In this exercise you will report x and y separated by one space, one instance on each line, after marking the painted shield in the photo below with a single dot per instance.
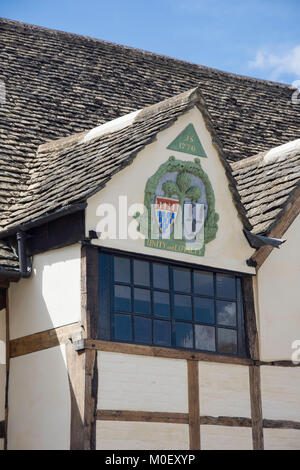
166 210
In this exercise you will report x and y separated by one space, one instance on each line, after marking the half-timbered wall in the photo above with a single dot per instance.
153 399
148 402
116 396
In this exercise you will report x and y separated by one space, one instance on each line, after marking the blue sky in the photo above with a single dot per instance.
259 38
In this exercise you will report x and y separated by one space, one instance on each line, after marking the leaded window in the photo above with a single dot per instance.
144 301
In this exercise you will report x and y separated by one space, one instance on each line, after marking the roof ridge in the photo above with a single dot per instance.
190 96
45 29
259 156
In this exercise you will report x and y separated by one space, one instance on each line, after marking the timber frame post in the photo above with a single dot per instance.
82 364
254 370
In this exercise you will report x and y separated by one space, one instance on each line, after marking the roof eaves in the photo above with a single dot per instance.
290 210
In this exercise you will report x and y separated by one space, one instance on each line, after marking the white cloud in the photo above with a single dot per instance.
278 64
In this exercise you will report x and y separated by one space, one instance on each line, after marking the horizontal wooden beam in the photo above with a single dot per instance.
161 352
144 416
226 421
154 351
277 363
43 340
183 418
280 424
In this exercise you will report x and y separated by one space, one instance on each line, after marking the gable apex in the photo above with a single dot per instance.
188 142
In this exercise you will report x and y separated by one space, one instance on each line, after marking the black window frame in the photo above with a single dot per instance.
106 310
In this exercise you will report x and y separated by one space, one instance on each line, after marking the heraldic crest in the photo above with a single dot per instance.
180 207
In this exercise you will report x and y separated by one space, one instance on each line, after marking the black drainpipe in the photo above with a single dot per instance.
24 260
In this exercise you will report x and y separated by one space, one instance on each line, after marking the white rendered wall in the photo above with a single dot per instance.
141 383
229 250
112 435
282 439
279 298
39 401
224 390
50 297
225 438
280 388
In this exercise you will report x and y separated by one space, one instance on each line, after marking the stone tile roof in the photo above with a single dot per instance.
266 182
58 84
8 258
70 170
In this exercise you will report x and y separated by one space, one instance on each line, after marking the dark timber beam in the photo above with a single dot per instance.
194 405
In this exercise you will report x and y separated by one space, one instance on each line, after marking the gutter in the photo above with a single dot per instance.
256 241
9 275
43 219
19 231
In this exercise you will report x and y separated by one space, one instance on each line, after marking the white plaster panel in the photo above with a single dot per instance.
224 390
229 250
279 298
123 435
225 438
280 387
141 383
1 444
50 297
281 439
39 401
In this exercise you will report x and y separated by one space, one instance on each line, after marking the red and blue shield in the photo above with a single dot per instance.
166 210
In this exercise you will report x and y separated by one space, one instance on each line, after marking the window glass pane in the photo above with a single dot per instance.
227 341
123 298
142 301
225 286
162 333
122 269
142 330
203 283
204 310
226 313
179 306
141 272
123 329
184 335
205 338
183 307
161 304
182 279
160 276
